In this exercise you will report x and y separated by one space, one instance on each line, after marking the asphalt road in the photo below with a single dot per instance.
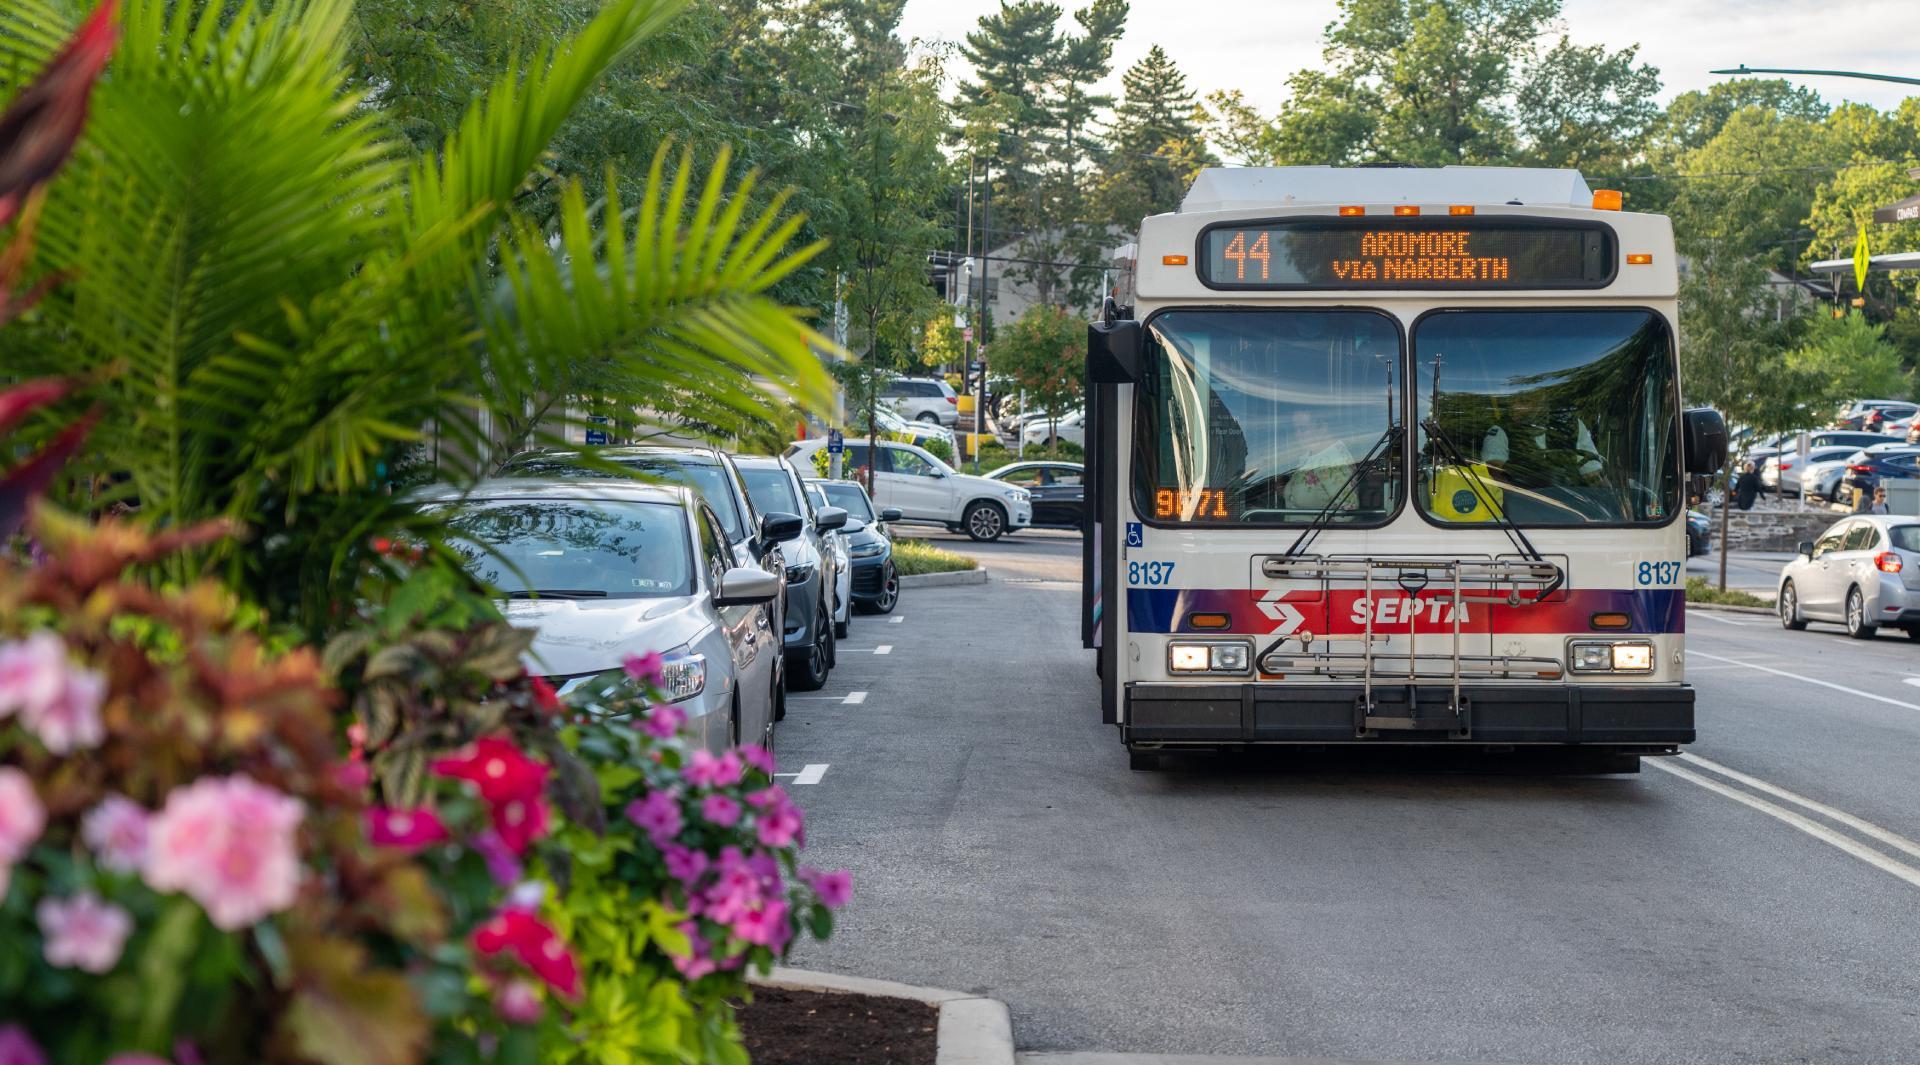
1412 909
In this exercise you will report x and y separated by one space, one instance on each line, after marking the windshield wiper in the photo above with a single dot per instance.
1352 484
556 593
1444 445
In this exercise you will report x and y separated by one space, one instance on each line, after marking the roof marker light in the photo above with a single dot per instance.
1173 260
1406 210
1607 199
1352 212
1638 259
1460 208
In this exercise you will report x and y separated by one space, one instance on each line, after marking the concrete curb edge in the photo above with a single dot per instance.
1725 608
974 1029
945 580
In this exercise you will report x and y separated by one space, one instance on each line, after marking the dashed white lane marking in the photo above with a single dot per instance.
1915 681
896 620
855 698
1805 824
883 649
808 774
1716 617
1860 825
1809 680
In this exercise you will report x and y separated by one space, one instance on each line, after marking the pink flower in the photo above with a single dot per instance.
766 926
658 814
518 1002
663 721
116 832
705 770
758 757
503 863
834 888
353 775
520 821
21 816
228 843
57 701
83 932
544 696
693 968
650 668
408 830
765 797
537 946
497 768
18 1048
684 864
779 827
720 810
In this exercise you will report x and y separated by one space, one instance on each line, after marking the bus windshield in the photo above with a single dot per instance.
1558 417
1262 417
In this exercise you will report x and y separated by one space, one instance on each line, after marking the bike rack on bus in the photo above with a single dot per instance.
1485 581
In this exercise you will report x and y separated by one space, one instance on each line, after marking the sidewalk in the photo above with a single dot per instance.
1754 572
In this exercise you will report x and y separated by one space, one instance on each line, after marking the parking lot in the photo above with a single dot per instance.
1363 904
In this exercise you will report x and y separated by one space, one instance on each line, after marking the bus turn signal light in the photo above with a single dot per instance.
1609 621
1607 199
1639 260
1407 210
1887 562
1173 260
1209 621
1352 212
1460 208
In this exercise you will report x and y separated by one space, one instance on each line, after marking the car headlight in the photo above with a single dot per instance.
869 550
1610 656
800 574
1212 656
683 675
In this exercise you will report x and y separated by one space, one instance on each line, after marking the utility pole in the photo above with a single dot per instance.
986 272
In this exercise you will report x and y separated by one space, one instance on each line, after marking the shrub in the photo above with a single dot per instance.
912 557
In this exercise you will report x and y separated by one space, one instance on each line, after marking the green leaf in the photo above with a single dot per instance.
163 967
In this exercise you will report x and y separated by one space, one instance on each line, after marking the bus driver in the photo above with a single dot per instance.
1323 467
1556 447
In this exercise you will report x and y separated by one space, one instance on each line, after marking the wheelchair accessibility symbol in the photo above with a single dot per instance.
1136 534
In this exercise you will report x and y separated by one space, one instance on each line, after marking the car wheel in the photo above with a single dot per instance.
889 596
985 521
927 416
814 665
840 629
1858 626
1790 608
1913 631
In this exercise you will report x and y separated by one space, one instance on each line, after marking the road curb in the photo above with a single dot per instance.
1727 608
945 580
974 1029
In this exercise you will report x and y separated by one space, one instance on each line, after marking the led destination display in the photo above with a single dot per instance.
1407 253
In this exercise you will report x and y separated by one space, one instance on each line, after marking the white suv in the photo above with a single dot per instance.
927 491
923 399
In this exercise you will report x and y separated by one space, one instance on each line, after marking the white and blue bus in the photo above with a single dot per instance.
1393 456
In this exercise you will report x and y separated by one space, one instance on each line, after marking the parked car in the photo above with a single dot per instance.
927 491
923 399
1873 414
894 426
1058 489
1783 471
602 570
774 486
1868 468
1699 533
876 582
1863 572
1042 431
1790 442
843 568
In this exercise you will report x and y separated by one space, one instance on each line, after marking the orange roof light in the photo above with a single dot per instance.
1460 208
1173 260
1352 212
1639 259
1607 199
1406 210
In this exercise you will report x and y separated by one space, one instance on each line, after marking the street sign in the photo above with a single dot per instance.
1861 260
1907 210
836 442
596 437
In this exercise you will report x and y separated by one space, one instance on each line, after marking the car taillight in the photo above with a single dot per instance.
1887 562
1861 469
955 400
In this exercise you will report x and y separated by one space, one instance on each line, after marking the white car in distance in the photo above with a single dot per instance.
927 491
923 399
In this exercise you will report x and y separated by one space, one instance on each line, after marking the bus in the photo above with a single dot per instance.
1391 455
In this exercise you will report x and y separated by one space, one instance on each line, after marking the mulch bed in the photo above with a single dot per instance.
831 1028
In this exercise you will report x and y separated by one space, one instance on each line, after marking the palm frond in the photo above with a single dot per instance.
31 32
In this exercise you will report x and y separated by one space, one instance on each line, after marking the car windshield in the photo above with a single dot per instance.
850 498
577 548
704 476
1560 417
771 490
1262 417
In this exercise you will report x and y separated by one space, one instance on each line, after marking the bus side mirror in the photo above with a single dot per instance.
1706 440
1113 352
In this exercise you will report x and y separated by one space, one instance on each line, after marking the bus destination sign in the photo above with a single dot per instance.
1323 253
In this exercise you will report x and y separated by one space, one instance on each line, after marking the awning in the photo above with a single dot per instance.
1907 210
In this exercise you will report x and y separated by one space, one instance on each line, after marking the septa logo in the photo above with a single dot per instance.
1399 611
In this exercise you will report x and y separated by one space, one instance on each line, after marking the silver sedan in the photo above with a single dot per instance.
1863 572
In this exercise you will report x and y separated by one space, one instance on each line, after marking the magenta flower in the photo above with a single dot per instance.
658 814
518 1002
82 932
503 863
684 864
649 668
57 701
18 1048
116 832
834 889
21 816
693 968
705 770
663 721
229 844
720 810
408 830
779 827
758 757
766 926
765 797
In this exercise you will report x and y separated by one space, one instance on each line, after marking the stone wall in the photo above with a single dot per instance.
1771 530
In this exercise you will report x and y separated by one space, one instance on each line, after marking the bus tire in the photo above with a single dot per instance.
1142 761
1858 626
985 522
1790 608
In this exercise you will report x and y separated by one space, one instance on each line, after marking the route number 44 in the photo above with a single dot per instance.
1657 574
1149 573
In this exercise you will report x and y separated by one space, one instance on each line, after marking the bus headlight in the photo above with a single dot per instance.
1610 656
1209 657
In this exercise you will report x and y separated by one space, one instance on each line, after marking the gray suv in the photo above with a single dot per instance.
812 570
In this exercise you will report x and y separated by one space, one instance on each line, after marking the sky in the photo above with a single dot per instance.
1253 45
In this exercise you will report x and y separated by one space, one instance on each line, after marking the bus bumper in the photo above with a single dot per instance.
1648 718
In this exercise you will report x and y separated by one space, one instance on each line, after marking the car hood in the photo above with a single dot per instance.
969 484
575 636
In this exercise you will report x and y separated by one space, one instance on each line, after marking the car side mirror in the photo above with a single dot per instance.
778 528
1805 549
892 514
1706 441
1113 352
743 586
827 519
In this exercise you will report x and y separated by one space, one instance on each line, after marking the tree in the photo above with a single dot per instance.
1045 354
1587 108
941 343
1850 356
1158 144
1239 130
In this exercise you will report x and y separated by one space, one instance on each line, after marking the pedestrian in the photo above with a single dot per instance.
1747 487
1879 504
